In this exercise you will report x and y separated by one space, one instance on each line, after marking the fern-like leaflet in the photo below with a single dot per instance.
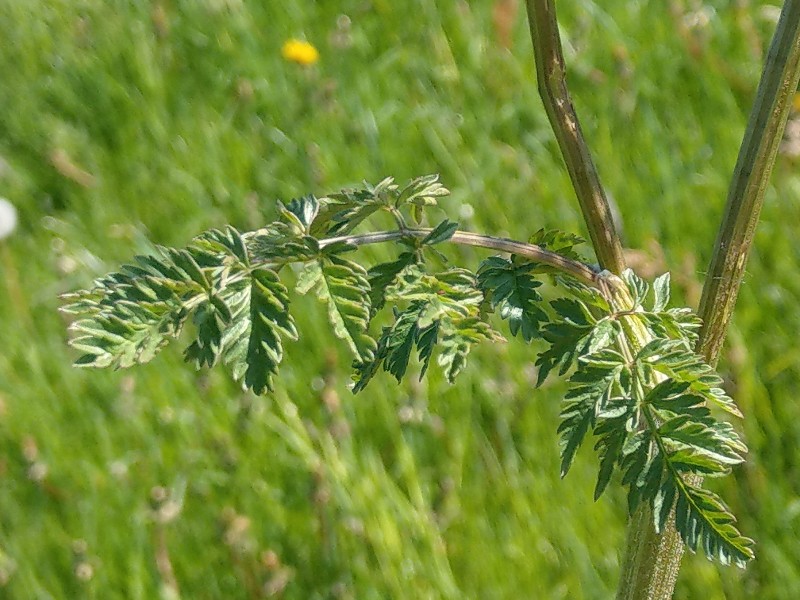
635 383
650 416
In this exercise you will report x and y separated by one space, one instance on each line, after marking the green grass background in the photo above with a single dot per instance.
129 123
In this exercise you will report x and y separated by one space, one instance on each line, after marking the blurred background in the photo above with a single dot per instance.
127 124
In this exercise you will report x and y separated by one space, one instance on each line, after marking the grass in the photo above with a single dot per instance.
125 124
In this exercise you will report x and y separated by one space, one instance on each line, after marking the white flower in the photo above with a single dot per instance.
8 218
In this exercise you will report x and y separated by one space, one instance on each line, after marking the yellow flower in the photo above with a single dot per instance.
300 52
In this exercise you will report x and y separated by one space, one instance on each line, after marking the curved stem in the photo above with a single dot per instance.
551 74
583 272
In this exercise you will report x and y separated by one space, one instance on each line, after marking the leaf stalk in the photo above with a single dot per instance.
585 273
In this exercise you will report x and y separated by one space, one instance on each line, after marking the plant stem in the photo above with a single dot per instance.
551 75
583 272
652 563
753 169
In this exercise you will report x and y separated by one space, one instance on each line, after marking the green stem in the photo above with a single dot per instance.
751 176
551 75
652 561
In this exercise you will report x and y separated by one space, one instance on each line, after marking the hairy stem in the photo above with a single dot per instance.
652 563
551 74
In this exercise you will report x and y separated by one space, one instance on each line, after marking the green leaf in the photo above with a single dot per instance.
512 291
394 348
636 454
266 320
675 323
577 417
353 206
661 293
422 191
663 502
337 248
560 242
128 316
188 267
637 286
690 460
700 439
451 293
604 334
344 287
683 437
566 337
593 385
675 360
672 323
404 334
611 434
443 311
364 371
131 335
300 213
383 275
426 342
215 245
652 476
209 322
238 311
670 398
458 337
281 243
441 233
251 343
589 296
703 521
350 207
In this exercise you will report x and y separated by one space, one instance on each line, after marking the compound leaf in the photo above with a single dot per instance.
513 292
128 316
